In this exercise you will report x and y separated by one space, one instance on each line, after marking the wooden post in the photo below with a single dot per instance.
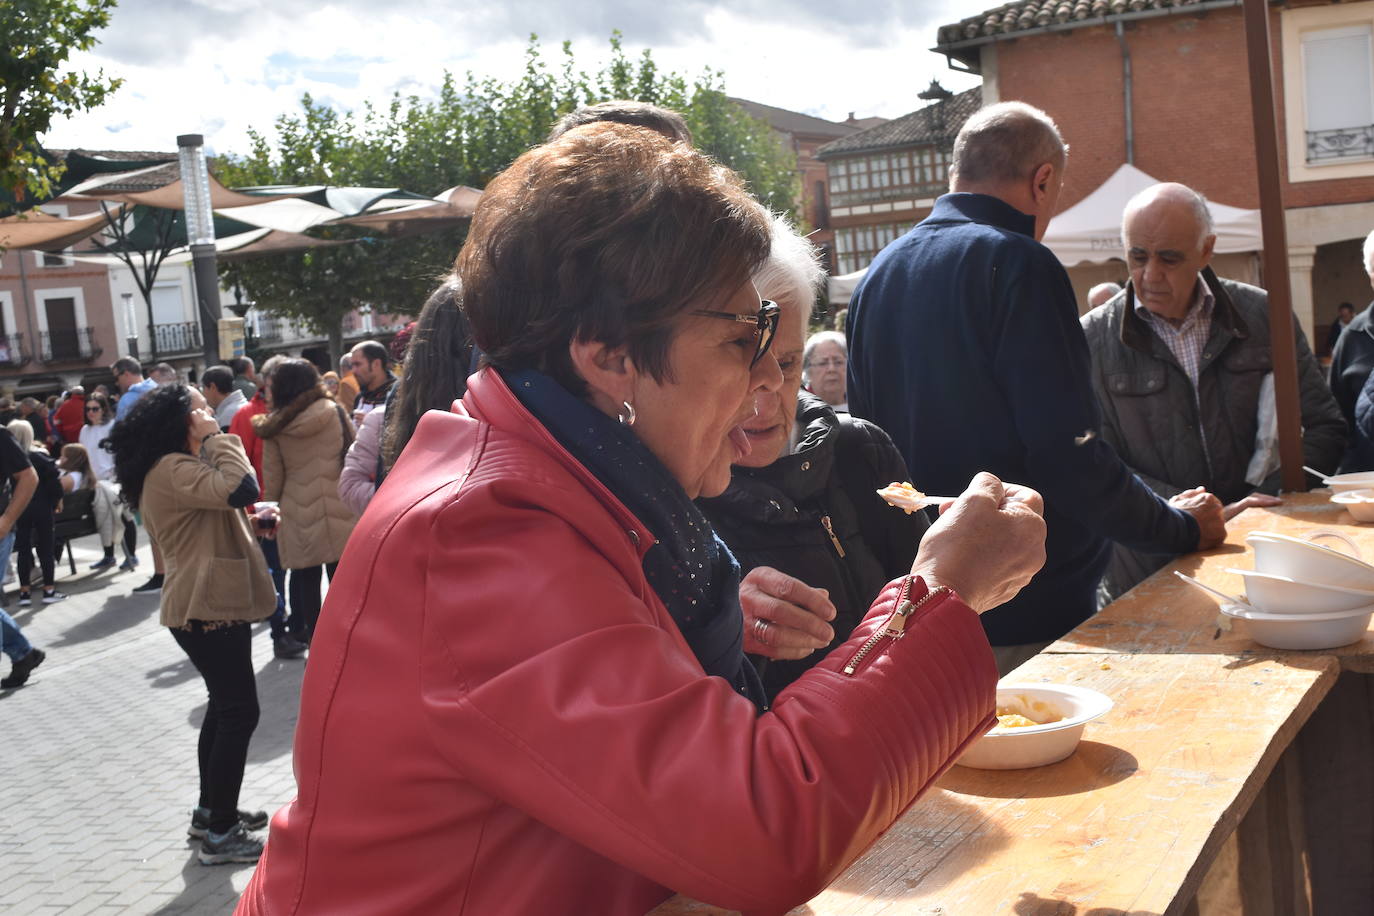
1276 280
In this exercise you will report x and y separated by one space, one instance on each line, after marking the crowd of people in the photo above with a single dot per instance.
611 593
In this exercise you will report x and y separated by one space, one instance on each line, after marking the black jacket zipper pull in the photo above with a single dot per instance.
825 523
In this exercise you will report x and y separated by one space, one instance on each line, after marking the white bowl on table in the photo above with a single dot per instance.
1359 503
1274 594
1301 559
1036 745
1303 631
1343 483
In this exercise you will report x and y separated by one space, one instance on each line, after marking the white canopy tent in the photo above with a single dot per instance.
1090 230
842 287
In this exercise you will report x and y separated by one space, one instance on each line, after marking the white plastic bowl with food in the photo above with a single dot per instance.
1057 713
1306 561
1359 503
1303 631
1274 594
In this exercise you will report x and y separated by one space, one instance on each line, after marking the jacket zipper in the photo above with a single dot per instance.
895 628
829 529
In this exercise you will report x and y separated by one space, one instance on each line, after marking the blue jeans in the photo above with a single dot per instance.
278 619
12 641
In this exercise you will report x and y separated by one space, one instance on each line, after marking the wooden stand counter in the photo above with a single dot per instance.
1166 615
1128 824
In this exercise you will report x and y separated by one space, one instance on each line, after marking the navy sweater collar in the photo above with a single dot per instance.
982 208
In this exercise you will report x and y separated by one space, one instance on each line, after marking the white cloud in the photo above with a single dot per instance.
218 67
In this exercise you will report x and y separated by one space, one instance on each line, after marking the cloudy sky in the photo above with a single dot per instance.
217 67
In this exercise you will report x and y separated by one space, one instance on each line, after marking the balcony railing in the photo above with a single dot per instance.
12 351
67 345
177 337
269 329
1340 143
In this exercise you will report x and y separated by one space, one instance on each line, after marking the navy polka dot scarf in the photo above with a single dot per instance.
688 566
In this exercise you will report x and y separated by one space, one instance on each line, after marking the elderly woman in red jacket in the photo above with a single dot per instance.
527 693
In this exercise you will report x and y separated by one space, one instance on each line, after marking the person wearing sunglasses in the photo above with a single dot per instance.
802 514
112 518
527 691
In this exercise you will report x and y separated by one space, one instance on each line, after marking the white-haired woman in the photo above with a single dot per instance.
825 364
801 514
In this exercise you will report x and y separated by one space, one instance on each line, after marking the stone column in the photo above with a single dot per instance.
1300 260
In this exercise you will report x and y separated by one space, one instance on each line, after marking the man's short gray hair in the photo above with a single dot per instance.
1006 142
793 268
1102 292
1369 254
1202 213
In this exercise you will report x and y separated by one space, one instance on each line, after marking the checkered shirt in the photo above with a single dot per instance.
1187 340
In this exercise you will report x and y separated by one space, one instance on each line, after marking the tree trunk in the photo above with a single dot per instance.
336 350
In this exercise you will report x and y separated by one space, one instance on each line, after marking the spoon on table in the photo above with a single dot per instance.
1223 621
1317 474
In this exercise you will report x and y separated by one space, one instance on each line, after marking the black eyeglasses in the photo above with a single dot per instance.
766 322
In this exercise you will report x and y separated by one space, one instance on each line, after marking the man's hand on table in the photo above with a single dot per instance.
1254 500
1209 513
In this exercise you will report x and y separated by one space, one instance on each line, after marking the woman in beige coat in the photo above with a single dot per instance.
192 483
305 437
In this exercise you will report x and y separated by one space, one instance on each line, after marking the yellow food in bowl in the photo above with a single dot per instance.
1023 711
1013 720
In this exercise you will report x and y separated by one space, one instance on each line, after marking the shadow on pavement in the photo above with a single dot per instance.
120 612
172 674
207 888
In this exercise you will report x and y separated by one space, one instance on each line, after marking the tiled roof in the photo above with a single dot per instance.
794 122
934 123
1036 15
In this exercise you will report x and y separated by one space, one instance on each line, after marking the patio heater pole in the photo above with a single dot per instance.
200 232
131 324
1276 279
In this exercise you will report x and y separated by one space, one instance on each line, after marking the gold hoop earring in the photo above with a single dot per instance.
628 417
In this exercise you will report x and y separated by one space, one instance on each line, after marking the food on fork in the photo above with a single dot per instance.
904 496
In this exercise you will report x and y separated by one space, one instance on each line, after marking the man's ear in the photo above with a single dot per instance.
1042 179
608 371
1208 249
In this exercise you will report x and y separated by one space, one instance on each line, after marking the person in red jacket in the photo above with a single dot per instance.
527 691
70 415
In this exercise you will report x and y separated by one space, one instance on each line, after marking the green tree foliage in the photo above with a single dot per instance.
464 136
36 37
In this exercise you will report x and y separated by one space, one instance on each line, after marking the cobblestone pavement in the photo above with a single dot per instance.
98 758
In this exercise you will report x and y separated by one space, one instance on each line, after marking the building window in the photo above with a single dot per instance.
857 246
1338 71
913 173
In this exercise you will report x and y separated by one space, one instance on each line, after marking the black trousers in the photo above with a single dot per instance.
35 530
224 657
304 588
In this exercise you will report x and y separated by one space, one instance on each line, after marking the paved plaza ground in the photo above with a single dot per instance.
98 759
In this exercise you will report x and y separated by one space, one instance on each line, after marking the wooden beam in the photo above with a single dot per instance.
1276 279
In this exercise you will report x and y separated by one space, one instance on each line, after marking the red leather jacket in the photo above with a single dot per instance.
500 717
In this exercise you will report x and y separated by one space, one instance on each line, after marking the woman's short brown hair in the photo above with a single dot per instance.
606 234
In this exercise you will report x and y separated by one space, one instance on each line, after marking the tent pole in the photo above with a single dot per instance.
1276 280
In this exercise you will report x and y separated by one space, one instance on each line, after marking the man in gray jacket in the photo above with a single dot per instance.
1179 359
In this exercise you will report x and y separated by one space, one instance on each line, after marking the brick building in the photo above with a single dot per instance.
885 179
804 134
1164 84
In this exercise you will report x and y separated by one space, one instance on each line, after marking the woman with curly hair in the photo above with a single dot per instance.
305 437
191 483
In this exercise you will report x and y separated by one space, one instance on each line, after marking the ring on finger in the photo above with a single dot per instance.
761 630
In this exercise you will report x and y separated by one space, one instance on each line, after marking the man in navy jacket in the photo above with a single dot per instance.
964 344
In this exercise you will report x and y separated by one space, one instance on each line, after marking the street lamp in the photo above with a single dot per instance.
200 232
130 324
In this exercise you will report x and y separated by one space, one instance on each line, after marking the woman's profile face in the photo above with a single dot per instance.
827 370
771 430
693 420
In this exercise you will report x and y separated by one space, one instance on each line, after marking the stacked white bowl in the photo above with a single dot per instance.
1302 595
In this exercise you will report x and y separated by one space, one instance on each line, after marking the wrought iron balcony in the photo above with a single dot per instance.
12 354
67 345
269 329
1340 143
177 337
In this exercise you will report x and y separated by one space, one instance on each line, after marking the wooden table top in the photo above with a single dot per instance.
1165 615
1128 823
